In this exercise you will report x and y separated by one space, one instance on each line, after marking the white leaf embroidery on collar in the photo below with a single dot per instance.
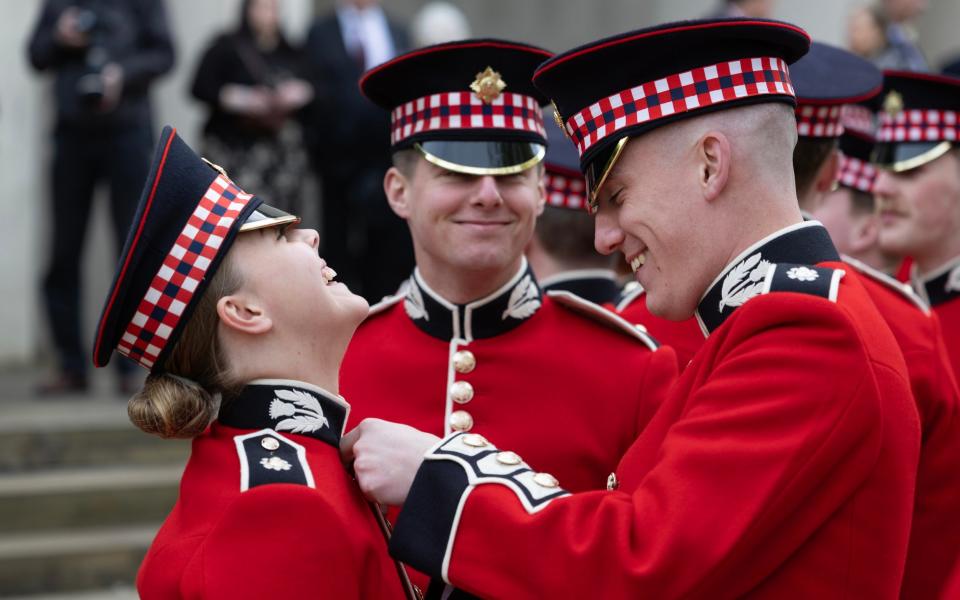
743 282
524 300
303 411
413 303
953 281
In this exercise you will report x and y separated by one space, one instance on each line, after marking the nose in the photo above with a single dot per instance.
308 236
488 193
607 233
884 186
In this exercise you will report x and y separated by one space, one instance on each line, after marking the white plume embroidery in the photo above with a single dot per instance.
743 281
953 281
803 274
304 412
275 463
413 303
524 300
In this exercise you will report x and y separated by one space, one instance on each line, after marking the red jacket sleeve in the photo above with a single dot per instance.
761 453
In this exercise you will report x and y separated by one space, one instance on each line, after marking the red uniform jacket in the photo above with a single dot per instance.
935 534
781 466
519 367
941 289
685 337
265 514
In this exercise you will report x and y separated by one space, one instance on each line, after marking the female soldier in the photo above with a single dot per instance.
220 298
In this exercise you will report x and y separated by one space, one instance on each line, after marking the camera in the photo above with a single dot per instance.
90 87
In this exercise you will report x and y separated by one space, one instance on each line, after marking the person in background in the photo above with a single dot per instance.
105 55
903 51
756 9
828 80
561 251
867 31
350 148
224 301
438 22
255 84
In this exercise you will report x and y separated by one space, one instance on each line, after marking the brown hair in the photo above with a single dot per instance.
808 156
182 405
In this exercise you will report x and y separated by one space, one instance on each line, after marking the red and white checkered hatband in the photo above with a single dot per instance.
856 173
185 266
464 110
565 191
819 121
859 119
690 90
919 125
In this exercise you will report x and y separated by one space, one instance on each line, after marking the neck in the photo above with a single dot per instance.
266 41
880 261
461 286
306 358
543 265
754 225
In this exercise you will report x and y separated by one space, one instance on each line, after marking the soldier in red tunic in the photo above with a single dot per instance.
782 465
918 189
218 295
829 82
474 343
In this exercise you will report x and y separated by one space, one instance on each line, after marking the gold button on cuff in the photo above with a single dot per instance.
612 482
460 420
475 440
464 361
545 480
508 458
461 392
270 443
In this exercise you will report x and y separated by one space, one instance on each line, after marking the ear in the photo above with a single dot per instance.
827 175
864 233
241 313
397 189
714 156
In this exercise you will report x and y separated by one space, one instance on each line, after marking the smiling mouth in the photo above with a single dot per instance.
328 275
638 261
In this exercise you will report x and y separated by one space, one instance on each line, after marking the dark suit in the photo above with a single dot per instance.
349 141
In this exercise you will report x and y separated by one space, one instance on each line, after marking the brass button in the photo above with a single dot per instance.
464 361
460 420
461 392
508 458
612 482
269 443
546 480
475 440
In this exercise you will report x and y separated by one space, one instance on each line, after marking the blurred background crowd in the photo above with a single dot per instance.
267 89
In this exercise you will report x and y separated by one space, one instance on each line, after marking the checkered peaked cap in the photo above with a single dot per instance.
627 85
825 80
919 119
468 105
188 217
566 187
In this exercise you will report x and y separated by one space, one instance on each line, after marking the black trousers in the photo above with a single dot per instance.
81 160
361 237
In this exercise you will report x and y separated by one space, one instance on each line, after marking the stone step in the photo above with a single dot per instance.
46 500
72 561
118 592
44 435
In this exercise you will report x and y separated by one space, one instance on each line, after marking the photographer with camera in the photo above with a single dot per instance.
105 54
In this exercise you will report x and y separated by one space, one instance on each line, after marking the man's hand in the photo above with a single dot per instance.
385 458
67 32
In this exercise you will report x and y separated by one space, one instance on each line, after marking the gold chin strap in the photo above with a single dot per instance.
920 160
457 168
614 157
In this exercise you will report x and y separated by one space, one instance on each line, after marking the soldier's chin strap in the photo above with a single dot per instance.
410 591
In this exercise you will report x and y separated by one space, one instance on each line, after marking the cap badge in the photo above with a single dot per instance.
488 85
559 120
216 167
893 103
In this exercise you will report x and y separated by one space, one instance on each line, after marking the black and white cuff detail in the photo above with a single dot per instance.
451 470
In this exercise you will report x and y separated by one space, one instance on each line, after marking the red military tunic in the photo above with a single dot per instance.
685 337
519 366
941 289
264 514
599 286
781 466
935 533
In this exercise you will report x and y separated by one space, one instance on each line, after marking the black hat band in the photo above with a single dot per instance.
454 111
691 90
175 284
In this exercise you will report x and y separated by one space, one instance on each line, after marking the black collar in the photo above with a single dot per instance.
493 315
596 285
940 285
806 243
287 406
